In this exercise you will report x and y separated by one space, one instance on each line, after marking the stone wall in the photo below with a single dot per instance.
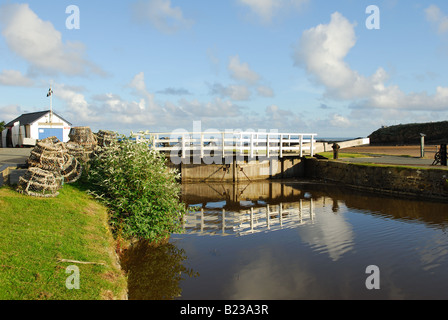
234 170
414 182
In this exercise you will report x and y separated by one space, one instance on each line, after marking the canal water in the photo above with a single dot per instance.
296 240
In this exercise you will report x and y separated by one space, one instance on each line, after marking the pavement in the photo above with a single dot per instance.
14 155
393 160
394 155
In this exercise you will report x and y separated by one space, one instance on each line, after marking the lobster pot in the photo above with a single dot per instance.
72 170
84 137
48 155
105 138
38 182
78 152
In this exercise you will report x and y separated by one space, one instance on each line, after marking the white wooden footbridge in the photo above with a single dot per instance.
229 143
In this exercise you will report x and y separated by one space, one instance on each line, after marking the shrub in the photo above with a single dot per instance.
142 193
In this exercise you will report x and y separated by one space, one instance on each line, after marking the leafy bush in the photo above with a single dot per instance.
141 191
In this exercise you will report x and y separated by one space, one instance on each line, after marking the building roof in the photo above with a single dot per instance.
29 118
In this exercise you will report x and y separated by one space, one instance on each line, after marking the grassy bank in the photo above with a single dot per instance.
329 155
36 234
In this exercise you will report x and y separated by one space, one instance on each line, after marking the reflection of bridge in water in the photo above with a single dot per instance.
210 221
242 209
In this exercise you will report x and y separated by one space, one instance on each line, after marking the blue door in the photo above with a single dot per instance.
51 132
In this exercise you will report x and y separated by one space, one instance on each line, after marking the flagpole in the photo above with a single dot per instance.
51 106
50 94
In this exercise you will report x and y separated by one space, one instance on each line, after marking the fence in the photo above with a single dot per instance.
252 144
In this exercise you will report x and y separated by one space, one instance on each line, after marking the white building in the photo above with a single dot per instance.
28 128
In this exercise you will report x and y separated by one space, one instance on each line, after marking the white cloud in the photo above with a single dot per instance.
265 91
117 111
284 120
339 121
104 111
263 8
10 112
234 92
40 44
139 85
266 9
242 71
161 15
14 78
322 51
217 108
275 113
76 104
437 17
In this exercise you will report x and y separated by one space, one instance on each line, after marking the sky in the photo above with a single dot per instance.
334 68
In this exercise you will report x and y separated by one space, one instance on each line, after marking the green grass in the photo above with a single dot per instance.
370 164
329 155
35 234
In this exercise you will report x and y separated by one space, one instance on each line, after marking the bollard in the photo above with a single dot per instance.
443 155
422 145
336 148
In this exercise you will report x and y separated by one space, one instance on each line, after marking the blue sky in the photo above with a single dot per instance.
307 66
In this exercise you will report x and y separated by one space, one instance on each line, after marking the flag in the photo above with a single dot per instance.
50 92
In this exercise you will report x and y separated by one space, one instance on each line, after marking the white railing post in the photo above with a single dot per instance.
281 146
241 144
251 145
223 145
301 145
312 146
183 147
154 141
202 145
267 145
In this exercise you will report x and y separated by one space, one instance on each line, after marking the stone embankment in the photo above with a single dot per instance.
422 183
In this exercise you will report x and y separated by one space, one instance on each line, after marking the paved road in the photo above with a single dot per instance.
394 155
14 155
395 160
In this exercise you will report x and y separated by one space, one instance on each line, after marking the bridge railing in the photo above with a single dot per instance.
251 144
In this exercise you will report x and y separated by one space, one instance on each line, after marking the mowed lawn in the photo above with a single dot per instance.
36 234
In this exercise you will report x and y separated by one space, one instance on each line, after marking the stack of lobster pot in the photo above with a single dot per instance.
82 144
105 138
50 165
